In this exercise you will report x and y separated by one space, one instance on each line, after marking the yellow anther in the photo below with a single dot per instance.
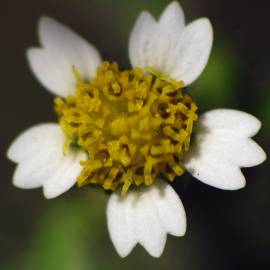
119 127
134 125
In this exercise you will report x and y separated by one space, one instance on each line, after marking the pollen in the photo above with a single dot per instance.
135 126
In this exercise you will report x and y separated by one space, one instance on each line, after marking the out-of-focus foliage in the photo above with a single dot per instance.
67 235
217 85
263 108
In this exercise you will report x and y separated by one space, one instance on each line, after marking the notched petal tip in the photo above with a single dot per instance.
174 4
172 212
174 9
257 124
22 145
47 25
195 49
210 32
145 14
169 46
240 123
158 250
43 21
50 192
222 146
120 224
239 183
10 154
61 49
123 253
262 156
145 217
39 154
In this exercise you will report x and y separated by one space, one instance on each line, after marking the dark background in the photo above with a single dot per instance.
226 230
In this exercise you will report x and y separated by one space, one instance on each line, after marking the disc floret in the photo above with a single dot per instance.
134 124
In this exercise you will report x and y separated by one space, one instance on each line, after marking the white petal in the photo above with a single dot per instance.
234 122
145 216
222 146
146 36
167 45
62 49
192 53
41 162
173 16
64 176
214 170
33 141
243 152
140 46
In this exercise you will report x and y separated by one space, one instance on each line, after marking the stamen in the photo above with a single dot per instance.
134 124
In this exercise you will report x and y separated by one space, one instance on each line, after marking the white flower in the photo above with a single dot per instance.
222 144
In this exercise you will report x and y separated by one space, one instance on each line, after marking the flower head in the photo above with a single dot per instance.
133 125
127 130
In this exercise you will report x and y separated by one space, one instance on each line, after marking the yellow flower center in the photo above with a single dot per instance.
134 124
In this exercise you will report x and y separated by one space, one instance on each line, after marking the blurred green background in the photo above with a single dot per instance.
226 230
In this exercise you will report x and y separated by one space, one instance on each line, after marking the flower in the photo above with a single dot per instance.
124 130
